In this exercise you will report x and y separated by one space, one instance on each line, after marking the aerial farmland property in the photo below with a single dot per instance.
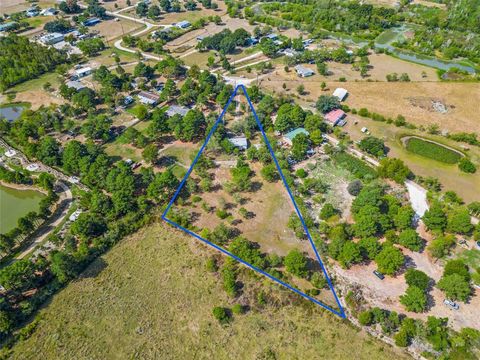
293 179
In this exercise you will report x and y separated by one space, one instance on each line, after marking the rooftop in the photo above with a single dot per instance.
291 135
340 93
177 110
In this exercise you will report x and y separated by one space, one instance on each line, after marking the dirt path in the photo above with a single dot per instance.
65 202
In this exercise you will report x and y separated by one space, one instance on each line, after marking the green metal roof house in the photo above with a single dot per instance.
288 137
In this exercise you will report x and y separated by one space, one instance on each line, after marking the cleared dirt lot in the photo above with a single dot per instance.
12 6
385 293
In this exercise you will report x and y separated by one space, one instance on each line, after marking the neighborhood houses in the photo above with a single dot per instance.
303 72
149 98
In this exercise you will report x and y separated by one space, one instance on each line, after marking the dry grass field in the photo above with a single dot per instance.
151 298
12 6
410 99
112 29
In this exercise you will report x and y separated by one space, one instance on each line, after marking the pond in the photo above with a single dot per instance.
11 113
388 37
16 203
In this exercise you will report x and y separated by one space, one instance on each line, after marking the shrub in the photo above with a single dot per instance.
355 187
221 314
327 211
211 265
301 173
467 166
238 309
365 318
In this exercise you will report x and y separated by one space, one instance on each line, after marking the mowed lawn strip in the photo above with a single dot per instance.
432 151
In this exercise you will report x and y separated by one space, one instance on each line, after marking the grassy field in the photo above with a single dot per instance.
151 298
471 258
465 185
432 151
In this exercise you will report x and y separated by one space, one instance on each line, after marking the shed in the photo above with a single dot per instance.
336 117
288 137
91 21
302 71
272 36
340 93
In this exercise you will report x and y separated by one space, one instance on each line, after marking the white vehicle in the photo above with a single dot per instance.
33 167
451 304
364 130
75 215
10 153
74 179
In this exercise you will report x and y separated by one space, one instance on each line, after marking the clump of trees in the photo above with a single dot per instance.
225 41
22 60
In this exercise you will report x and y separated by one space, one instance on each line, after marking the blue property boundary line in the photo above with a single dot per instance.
341 312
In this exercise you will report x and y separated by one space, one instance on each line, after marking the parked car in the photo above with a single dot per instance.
478 244
378 274
451 304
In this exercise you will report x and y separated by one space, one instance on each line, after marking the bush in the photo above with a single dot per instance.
365 318
373 146
238 309
467 166
355 187
327 211
211 265
221 314
301 173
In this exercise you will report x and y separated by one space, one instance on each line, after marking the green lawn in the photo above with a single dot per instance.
37 84
433 151
471 258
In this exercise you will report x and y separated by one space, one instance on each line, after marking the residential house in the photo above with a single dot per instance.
177 110
288 137
83 72
49 12
77 85
289 52
183 24
8 26
146 97
272 36
340 93
336 117
240 142
51 39
302 71
32 12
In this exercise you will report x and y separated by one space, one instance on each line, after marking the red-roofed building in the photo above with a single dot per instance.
336 117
